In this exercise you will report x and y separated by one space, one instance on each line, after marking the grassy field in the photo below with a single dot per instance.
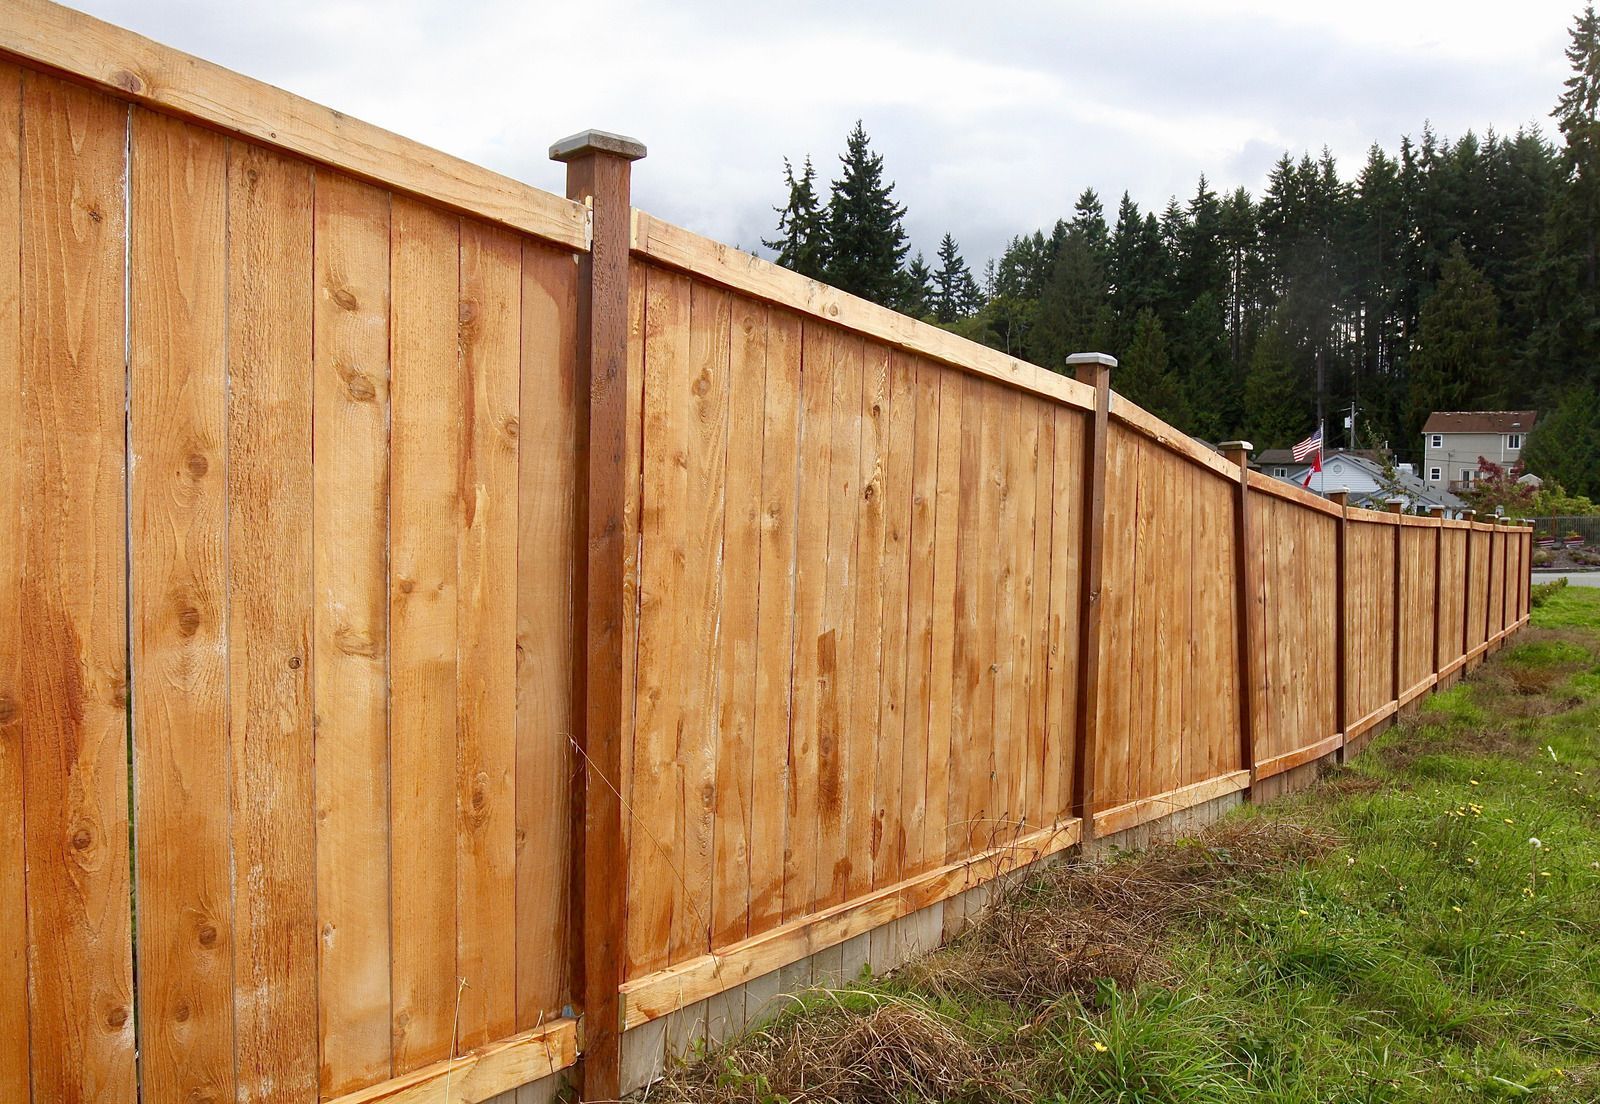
1424 925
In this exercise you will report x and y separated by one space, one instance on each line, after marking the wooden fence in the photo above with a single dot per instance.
442 612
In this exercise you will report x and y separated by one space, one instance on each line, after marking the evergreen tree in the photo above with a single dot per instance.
866 241
1274 407
1145 373
1565 445
919 290
1074 313
1458 361
802 241
955 292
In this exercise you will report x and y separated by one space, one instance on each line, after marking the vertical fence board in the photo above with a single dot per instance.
967 490
919 759
1065 632
863 721
1045 790
14 1079
490 322
74 668
835 645
886 831
270 587
701 610
351 629
424 513
781 464
547 611
943 676
177 329
741 577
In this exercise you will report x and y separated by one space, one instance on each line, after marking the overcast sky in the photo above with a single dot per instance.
991 115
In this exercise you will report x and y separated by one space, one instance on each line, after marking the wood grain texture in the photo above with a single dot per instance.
547 608
74 679
424 627
350 508
182 762
490 337
15 1082
270 611
781 467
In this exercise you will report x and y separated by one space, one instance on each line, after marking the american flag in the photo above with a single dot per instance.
1311 444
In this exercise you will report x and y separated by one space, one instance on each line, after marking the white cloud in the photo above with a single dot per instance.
991 117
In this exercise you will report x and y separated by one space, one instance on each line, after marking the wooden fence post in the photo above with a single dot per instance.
1470 517
598 173
1252 685
1341 713
1397 506
1437 514
1093 369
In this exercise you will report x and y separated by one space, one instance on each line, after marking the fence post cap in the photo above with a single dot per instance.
1340 497
574 146
1469 514
1436 510
1104 359
1394 505
1237 446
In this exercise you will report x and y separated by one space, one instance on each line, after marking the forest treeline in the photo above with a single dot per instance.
1452 274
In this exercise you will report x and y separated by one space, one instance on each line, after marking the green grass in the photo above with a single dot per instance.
1435 954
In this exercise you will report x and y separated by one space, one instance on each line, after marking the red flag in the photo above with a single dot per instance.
1316 468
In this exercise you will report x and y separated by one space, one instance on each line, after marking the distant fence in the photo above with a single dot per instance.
442 612
1560 528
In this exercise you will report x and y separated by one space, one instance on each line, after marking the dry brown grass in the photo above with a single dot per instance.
894 1050
1061 933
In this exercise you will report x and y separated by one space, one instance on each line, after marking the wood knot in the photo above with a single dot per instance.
95 216
82 839
8 709
128 81
467 312
360 387
188 620
208 935
116 1018
869 491
511 426
294 663
252 175
345 298
181 1013
406 586
480 792
702 384
198 465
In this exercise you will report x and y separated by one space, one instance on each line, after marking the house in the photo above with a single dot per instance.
1360 471
1453 440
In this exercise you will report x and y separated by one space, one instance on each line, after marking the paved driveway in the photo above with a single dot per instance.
1576 578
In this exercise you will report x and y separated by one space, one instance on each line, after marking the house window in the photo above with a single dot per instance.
1436 441
1513 441
1281 473
1434 475
1467 474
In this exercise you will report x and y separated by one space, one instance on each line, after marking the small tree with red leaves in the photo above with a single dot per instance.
1497 487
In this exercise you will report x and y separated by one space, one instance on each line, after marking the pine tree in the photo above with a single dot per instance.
1565 445
1145 373
1275 412
955 292
802 241
1458 360
918 294
1074 314
866 241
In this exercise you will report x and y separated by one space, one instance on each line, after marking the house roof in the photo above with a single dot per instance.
1480 421
1414 489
